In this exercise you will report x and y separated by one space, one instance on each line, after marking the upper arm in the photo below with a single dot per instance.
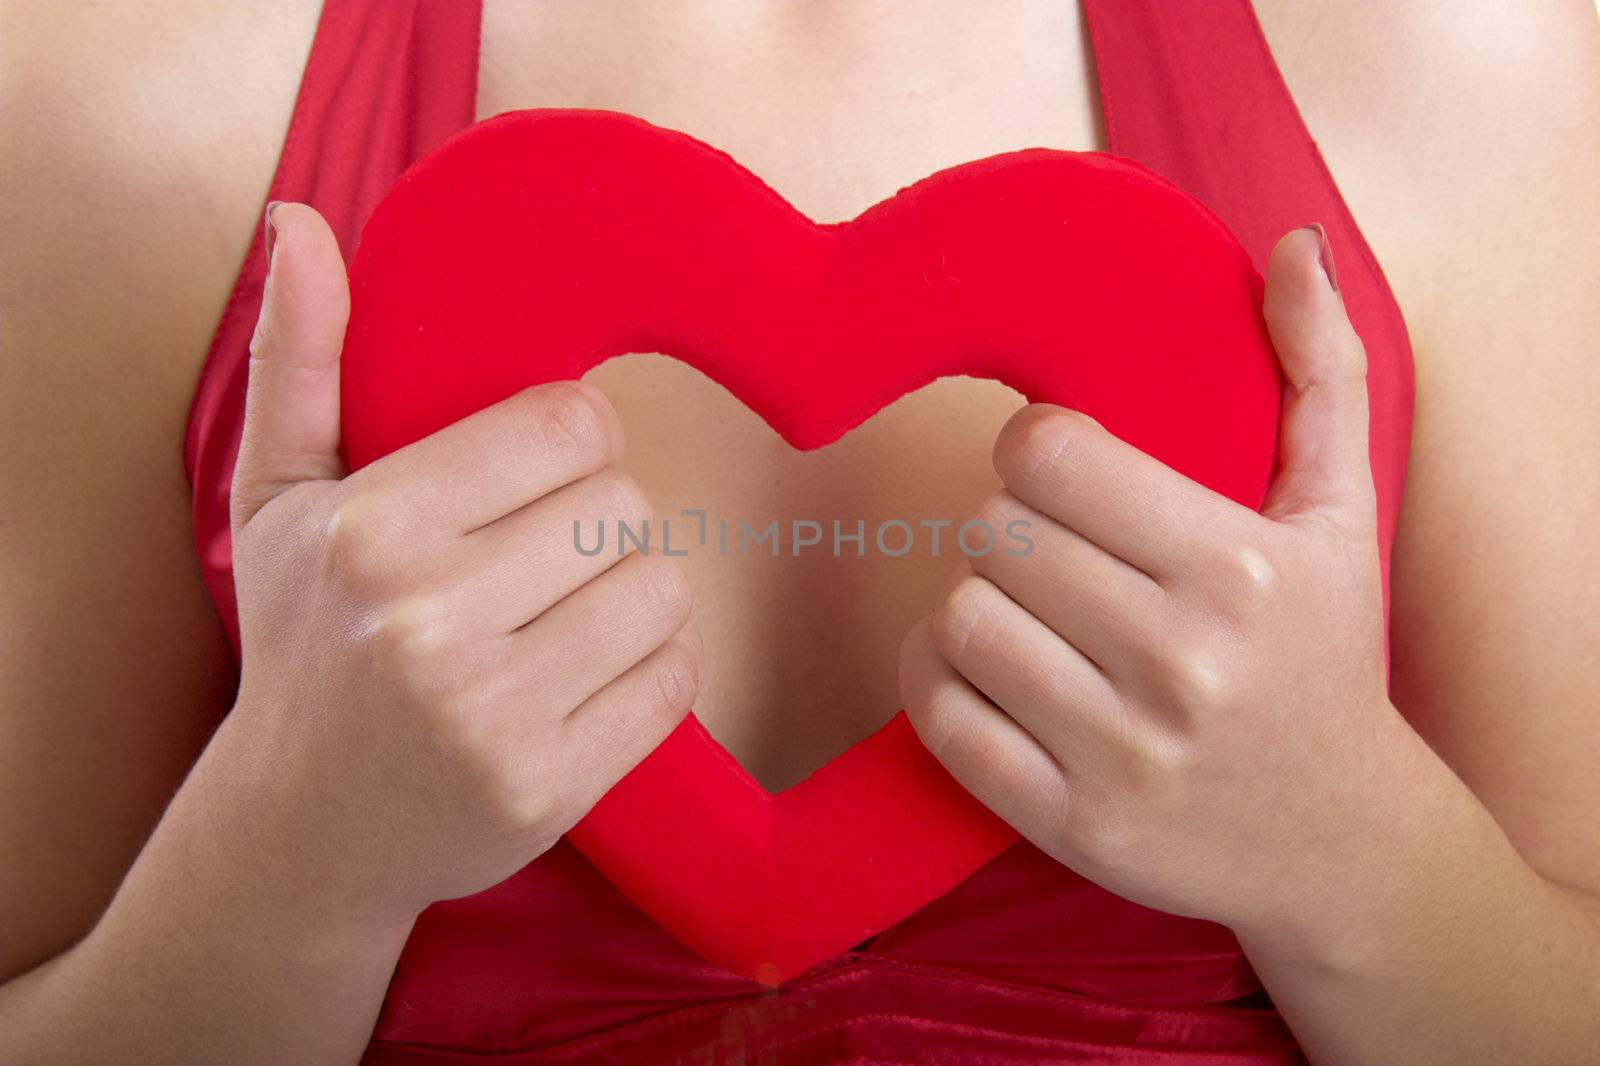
1476 141
119 236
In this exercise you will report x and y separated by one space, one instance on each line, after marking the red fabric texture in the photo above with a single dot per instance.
536 245
1023 961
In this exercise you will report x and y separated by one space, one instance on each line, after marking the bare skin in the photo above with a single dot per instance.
1468 148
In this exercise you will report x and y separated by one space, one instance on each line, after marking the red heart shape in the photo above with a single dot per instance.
534 245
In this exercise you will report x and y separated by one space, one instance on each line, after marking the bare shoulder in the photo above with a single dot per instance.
1466 137
133 140
1451 125
133 135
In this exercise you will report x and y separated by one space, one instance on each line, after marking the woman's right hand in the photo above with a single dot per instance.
435 684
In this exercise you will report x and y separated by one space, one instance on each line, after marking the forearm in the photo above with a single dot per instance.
1453 951
210 952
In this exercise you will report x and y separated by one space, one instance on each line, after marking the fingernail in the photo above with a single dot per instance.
269 232
1325 256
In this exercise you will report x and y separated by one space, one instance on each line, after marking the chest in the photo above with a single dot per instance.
836 105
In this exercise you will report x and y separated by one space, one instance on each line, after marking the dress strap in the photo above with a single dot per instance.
384 82
1190 89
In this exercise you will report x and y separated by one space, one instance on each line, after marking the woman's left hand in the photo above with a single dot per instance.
1180 698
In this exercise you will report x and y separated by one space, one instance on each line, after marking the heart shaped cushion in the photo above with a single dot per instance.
532 246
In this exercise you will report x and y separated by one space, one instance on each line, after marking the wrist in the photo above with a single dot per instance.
220 937
261 834
1418 856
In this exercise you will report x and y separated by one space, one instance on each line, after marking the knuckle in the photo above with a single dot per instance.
663 588
1093 830
1196 677
359 540
274 533
568 421
1250 579
998 509
1044 440
962 621
520 803
457 722
677 677
1341 355
455 715
512 788
937 720
262 337
623 498
1155 762
1057 804
411 634
1354 361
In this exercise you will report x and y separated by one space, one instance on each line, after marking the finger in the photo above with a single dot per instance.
1063 463
1323 470
1096 602
291 409
999 762
608 734
1050 688
494 461
593 636
514 569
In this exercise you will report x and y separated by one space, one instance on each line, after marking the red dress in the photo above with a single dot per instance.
1024 961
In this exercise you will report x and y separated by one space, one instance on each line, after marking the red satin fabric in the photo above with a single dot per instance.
1023 962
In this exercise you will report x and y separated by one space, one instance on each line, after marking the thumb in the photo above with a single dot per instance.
1323 470
291 411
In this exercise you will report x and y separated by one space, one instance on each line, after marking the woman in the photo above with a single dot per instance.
1190 726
